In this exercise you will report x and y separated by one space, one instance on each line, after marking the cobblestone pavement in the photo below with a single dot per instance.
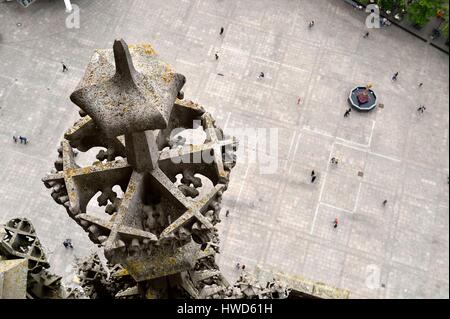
280 220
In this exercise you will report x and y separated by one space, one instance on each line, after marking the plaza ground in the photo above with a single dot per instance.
278 221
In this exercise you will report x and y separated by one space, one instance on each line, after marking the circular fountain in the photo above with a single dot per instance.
363 98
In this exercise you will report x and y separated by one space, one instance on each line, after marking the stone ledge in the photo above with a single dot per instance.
303 287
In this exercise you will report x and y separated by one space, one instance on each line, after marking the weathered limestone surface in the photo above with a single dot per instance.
13 279
131 107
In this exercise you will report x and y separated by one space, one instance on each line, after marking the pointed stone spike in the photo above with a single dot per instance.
124 63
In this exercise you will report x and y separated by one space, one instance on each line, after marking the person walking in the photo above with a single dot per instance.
311 24
227 213
366 35
336 223
395 76
217 56
313 179
385 202
14 139
261 75
347 113
421 109
222 30
65 69
420 85
68 243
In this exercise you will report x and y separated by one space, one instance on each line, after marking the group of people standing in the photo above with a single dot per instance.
23 140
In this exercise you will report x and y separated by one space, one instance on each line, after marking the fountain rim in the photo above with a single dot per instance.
366 109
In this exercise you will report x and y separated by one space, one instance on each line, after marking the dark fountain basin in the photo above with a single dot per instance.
363 99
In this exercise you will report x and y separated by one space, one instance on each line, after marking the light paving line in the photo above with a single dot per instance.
347 142
292 67
370 152
298 143
279 64
227 121
187 62
237 51
244 179
321 191
336 208
352 147
316 132
357 198
317 211
385 156
359 144
371 133
290 149
343 141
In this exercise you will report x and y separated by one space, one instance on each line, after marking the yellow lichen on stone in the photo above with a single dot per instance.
145 47
150 295
148 49
122 273
168 74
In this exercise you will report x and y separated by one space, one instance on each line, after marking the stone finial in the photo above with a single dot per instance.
123 99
